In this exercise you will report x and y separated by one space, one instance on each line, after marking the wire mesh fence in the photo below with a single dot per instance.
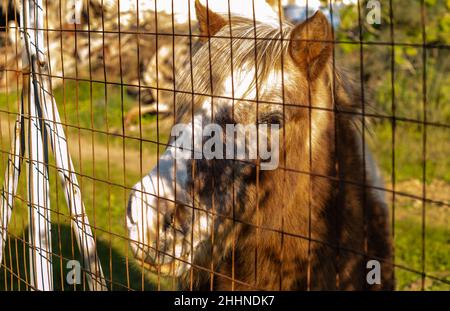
224 145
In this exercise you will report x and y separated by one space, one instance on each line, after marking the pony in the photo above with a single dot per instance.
317 221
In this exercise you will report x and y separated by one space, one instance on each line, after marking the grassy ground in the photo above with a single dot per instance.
107 163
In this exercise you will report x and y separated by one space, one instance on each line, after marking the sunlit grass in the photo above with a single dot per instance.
109 163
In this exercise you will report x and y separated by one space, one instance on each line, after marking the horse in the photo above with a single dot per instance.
317 221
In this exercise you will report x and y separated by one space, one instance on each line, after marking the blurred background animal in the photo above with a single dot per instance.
145 63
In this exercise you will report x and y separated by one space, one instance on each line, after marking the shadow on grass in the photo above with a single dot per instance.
120 273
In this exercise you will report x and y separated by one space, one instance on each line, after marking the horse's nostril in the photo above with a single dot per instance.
130 215
168 221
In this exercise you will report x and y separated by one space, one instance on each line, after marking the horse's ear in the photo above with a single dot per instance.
311 44
210 23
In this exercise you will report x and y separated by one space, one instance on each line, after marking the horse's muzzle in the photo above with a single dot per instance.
151 241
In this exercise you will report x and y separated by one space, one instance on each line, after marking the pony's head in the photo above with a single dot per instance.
246 73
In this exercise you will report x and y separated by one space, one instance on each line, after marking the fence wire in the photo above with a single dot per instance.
124 73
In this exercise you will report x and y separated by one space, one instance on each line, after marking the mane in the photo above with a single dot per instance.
272 40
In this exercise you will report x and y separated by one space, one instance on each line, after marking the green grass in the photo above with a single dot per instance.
408 151
410 239
412 236
106 163
103 173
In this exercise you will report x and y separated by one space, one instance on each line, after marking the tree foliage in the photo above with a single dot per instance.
416 35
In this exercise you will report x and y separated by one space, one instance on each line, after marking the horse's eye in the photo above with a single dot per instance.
272 118
169 220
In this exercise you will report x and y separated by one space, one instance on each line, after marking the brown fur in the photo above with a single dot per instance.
340 207
313 228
